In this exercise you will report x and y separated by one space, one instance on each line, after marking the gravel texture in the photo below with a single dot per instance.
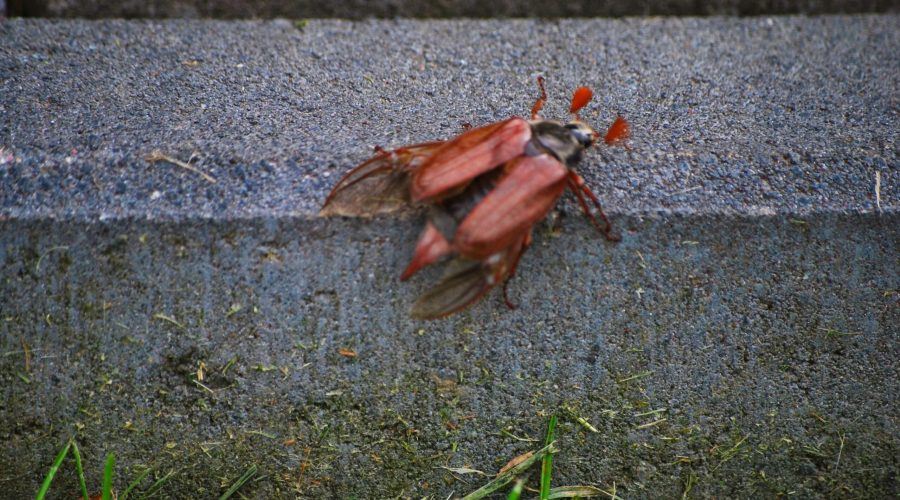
740 342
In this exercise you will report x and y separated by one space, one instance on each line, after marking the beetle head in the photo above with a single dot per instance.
583 133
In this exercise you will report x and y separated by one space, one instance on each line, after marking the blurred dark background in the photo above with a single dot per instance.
359 9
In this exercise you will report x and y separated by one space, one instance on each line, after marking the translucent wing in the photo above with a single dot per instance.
469 155
380 184
466 281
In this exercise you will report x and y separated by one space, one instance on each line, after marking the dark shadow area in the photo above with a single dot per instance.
356 9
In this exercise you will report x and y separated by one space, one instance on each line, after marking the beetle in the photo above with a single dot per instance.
484 191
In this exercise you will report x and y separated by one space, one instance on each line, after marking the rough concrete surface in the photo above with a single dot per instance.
756 116
740 341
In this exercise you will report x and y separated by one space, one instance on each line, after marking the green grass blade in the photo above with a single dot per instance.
52 472
241 481
547 462
516 490
505 478
106 491
80 470
157 486
134 484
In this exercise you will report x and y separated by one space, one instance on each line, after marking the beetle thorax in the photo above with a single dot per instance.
565 142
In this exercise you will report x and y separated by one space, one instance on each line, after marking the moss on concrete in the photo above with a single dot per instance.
706 367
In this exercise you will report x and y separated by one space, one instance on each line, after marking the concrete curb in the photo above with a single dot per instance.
736 343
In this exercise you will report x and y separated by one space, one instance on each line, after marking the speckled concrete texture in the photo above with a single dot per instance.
740 342
766 116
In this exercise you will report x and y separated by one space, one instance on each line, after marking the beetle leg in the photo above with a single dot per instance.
580 188
508 302
540 102
526 242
